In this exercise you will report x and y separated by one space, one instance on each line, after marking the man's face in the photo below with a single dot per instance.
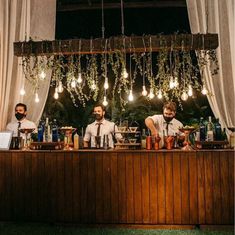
20 112
99 113
168 115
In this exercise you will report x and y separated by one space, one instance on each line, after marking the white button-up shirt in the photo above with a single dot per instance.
161 125
106 128
25 123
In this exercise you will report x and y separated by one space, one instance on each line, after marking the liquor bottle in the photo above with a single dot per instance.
40 131
76 141
218 131
202 128
47 131
209 129
54 131
143 139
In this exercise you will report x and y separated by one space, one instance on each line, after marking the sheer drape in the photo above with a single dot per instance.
216 16
20 20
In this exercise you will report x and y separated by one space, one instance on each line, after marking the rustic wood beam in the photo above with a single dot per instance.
113 5
127 44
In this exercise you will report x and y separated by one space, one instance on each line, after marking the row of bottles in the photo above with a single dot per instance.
209 131
48 132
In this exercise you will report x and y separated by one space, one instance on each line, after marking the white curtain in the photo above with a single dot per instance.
216 16
19 21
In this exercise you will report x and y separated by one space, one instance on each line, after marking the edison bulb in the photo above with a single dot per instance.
204 90
159 95
106 84
79 78
56 95
172 83
184 96
105 102
36 98
73 83
130 97
144 91
42 75
190 90
22 91
124 73
60 87
151 95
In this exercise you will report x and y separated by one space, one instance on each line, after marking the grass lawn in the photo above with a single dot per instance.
45 229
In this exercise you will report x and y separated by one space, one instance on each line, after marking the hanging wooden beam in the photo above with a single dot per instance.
127 44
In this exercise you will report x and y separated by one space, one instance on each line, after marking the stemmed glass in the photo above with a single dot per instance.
26 131
68 131
187 131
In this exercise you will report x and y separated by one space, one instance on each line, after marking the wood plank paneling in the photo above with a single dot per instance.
169 188
161 188
145 188
184 157
76 187
193 189
114 188
130 187
153 195
216 188
201 188
224 174
122 201
177 188
208 161
231 187
137 188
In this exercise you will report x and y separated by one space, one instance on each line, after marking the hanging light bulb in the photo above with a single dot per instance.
204 90
151 95
60 87
106 84
172 83
176 83
93 86
190 90
73 83
144 91
56 95
159 95
105 102
124 73
22 91
79 80
36 98
184 96
42 75
130 97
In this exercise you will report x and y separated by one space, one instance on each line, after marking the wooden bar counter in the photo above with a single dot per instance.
118 187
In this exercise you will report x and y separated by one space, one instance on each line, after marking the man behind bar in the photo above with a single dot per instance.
100 128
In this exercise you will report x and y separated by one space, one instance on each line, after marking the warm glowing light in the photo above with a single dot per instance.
184 96
190 90
144 91
124 73
172 83
42 75
204 90
56 95
36 98
60 87
151 95
130 97
106 84
73 83
22 91
176 83
159 95
79 78
93 86
105 102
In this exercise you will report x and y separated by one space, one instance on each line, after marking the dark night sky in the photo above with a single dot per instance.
138 21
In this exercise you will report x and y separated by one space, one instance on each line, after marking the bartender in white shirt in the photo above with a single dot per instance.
165 124
100 127
21 122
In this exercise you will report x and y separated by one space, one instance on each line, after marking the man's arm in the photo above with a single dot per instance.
86 138
150 124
